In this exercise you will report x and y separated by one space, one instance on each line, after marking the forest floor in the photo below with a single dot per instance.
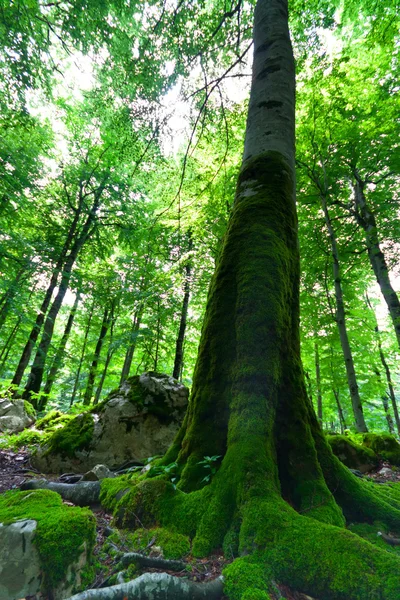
15 469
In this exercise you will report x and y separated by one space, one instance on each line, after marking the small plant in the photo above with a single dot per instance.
209 463
169 470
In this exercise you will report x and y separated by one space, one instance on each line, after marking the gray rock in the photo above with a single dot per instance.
13 416
138 420
98 472
21 575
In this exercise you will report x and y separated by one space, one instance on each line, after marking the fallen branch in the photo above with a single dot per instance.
156 586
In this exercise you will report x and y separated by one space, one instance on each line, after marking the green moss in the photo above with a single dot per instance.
246 578
353 455
28 438
255 595
385 445
174 545
76 435
53 420
61 532
369 532
30 411
113 489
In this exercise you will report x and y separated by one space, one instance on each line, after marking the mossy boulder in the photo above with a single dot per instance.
15 415
45 545
138 420
353 455
384 445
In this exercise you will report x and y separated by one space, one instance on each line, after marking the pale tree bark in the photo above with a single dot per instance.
341 323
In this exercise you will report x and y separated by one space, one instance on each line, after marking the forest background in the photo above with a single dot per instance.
122 130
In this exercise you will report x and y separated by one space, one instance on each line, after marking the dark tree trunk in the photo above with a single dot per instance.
9 296
85 339
8 345
385 365
182 324
366 219
318 380
158 337
132 344
58 358
341 323
37 370
109 356
30 344
96 357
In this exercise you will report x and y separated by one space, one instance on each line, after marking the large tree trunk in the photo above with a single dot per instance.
270 504
341 323
58 358
366 218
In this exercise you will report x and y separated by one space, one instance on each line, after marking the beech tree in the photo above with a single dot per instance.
280 499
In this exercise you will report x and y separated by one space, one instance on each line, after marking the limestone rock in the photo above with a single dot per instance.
98 472
21 574
14 416
138 420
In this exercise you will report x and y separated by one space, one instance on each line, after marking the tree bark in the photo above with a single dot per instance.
271 500
96 357
8 345
58 359
27 351
37 370
366 219
9 295
109 356
182 324
85 339
132 344
341 323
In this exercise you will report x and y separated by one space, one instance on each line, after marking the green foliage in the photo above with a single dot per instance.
28 438
209 464
62 531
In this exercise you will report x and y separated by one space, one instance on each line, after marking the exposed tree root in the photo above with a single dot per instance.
156 586
149 562
84 493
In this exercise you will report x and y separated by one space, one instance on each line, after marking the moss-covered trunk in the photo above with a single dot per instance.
279 499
